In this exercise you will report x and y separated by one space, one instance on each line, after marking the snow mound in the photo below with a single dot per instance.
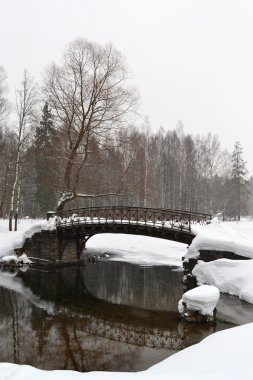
11 240
9 259
202 299
18 260
222 237
234 277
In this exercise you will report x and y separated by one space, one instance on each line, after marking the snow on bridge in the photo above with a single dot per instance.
162 223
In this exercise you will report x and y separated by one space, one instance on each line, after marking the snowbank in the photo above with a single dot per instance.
22 259
10 240
224 355
9 259
138 249
234 277
223 237
202 299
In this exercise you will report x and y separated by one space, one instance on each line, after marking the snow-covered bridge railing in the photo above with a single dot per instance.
158 218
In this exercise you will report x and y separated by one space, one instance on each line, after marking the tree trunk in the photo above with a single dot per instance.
10 219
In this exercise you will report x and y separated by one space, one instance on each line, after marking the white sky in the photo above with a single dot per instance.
192 60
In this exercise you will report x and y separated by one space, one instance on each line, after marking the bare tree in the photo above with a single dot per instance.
7 148
239 174
90 98
5 137
4 104
25 105
213 162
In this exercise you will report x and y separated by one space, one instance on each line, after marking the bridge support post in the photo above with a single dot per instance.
70 247
81 244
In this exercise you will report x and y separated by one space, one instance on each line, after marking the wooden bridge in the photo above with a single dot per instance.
80 224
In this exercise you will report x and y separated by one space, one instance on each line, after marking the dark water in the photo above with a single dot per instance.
104 316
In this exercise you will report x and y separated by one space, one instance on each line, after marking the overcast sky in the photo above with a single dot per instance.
192 60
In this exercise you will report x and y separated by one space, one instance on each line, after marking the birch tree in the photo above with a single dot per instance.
5 141
25 105
7 148
91 99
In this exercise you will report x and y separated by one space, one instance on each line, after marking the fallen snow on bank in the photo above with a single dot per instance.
138 249
10 240
224 355
228 236
22 259
202 299
234 277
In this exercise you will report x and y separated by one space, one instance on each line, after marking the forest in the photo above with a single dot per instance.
75 141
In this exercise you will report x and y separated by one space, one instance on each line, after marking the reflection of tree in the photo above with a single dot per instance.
80 350
15 326
69 354
41 324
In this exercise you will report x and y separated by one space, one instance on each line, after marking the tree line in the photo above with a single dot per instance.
74 142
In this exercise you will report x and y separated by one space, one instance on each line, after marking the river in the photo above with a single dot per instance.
109 316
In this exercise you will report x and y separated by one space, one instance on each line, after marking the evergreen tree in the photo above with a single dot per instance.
44 161
239 180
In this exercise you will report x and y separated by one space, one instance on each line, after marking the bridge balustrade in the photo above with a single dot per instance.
158 218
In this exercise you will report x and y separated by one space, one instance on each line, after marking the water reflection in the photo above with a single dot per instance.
155 288
65 319
232 309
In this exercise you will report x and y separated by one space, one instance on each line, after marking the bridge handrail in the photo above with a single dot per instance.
175 211
157 217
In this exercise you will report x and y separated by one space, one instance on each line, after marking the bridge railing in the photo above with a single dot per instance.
159 218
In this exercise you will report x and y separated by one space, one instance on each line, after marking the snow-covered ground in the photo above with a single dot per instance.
228 236
15 239
139 249
234 277
221 356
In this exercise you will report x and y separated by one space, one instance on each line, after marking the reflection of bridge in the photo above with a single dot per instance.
80 224
130 334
